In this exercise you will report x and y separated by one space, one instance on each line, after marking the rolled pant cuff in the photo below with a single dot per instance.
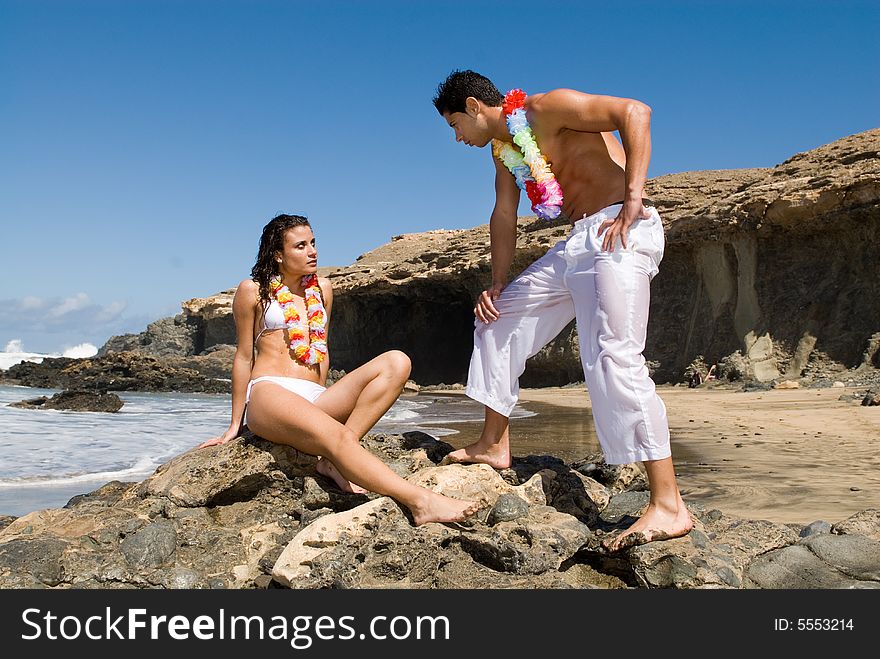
638 455
487 399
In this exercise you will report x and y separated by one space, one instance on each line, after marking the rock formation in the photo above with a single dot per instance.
127 371
253 514
77 401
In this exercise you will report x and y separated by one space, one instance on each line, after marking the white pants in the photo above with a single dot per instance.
608 293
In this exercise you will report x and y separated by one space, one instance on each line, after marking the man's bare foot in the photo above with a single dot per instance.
328 469
497 457
655 524
438 508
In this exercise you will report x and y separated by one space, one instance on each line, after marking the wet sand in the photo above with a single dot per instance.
785 455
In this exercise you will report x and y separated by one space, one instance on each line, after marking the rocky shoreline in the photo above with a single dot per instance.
252 514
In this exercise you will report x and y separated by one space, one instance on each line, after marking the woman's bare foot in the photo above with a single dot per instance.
656 523
328 469
438 508
496 456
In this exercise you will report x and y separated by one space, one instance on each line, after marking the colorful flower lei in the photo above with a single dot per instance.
309 349
529 167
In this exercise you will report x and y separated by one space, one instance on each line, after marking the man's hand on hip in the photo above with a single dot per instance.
619 226
485 310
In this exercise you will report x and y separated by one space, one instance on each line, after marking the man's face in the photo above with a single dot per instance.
470 128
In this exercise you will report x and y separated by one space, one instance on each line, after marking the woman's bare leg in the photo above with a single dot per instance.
360 398
285 418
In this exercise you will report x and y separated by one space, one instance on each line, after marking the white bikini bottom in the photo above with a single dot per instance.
305 388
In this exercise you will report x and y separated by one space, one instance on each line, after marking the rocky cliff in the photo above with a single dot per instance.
779 265
772 273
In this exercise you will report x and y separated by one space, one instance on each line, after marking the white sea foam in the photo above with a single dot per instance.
14 353
143 467
81 351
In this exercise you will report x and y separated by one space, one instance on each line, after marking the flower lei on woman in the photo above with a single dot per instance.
309 347
529 168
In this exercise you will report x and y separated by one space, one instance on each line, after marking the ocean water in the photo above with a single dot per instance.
49 456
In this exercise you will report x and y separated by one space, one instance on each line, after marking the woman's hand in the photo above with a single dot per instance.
222 439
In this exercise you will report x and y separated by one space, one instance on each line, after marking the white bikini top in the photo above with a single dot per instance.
273 318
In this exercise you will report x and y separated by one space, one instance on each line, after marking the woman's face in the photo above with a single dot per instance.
300 256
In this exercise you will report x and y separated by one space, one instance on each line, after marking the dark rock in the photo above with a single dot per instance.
624 505
106 495
76 401
797 567
124 371
699 539
31 403
26 562
615 477
815 528
671 571
754 385
714 515
308 515
179 577
729 577
507 508
166 337
151 546
855 556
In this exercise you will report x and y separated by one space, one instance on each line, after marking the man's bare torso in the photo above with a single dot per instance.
588 166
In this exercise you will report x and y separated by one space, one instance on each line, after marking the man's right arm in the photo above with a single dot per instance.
502 237
502 224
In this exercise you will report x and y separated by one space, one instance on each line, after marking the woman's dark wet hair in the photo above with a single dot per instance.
452 92
272 242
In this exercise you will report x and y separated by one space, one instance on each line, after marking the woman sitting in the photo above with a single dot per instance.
280 367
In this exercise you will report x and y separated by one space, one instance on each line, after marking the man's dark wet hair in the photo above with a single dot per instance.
452 92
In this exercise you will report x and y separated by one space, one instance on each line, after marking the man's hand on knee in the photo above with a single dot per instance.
485 310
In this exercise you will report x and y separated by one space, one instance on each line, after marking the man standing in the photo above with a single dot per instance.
558 147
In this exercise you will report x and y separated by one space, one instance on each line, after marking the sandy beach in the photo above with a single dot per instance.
785 455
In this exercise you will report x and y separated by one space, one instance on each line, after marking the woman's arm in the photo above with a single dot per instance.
327 294
244 309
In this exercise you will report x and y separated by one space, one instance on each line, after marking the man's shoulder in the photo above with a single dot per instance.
560 95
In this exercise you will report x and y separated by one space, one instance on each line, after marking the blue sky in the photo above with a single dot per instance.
145 144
